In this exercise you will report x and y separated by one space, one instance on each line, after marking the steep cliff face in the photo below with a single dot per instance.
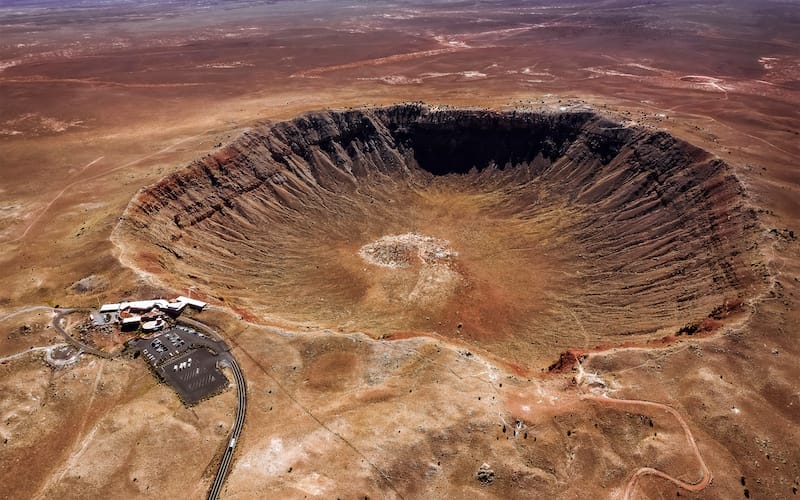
570 230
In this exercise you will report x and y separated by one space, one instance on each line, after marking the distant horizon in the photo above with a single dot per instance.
573 272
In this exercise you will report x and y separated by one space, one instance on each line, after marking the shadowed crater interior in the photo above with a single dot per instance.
527 233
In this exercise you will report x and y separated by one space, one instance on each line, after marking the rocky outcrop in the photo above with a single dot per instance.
485 474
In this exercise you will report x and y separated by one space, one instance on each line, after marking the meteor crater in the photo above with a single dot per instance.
525 233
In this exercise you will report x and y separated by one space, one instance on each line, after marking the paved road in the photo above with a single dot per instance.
28 351
241 390
202 327
69 338
241 408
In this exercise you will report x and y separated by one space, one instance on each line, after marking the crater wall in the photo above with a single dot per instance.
570 229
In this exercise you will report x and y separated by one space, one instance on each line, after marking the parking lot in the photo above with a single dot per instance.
187 360
194 375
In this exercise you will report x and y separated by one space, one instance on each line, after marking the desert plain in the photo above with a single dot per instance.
505 331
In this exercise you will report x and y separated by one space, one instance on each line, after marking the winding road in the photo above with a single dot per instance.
241 408
69 338
29 351
649 471
25 310
241 385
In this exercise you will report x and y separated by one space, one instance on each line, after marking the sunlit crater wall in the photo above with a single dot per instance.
567 229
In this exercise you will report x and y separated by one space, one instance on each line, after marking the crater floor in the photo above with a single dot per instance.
522 233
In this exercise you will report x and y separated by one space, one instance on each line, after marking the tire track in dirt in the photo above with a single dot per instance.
58 475
97 176
650 471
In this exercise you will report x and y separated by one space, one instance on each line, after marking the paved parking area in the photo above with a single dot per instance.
194 375
187 360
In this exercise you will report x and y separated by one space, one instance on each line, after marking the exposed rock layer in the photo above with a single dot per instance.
572 230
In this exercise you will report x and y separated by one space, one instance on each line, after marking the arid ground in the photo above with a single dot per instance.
516 376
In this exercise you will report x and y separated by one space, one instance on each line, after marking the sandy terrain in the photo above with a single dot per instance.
98 102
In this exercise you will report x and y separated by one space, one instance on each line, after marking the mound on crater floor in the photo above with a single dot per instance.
525 232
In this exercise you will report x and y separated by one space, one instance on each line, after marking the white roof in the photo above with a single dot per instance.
177 306
109 308
143 305
152 325
192 302
131 319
